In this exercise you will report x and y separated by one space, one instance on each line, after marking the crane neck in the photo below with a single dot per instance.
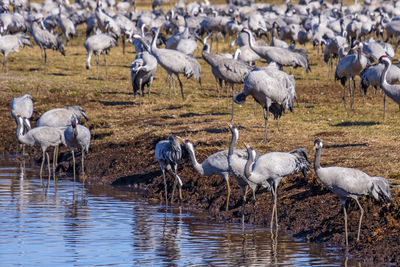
20 130
383 81
196 165
249 164
317 158
154 41
251 44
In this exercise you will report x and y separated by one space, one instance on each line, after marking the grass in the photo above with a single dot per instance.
358 138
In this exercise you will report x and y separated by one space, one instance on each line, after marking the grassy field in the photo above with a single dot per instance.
359 138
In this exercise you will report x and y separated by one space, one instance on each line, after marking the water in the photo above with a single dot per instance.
70 225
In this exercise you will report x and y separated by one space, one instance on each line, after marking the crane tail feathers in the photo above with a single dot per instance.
381 188
302 161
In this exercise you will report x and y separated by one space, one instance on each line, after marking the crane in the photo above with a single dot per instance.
44 137
273 89
237 160
12 43
143 69
22 107
348 67
282 56
97 44
173 61
216 163
350 183
391 90
44 39
77 136
168 153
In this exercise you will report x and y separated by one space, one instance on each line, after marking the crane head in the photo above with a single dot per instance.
318 144
384 59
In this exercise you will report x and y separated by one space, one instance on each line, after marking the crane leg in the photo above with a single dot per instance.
233 106
123 44
83 165
165 186
105 63
273 209
73 164
4 64
180 84
165 84
244 191
97 65
48 165
41 166
345 222
266 114
229 193
361 217
351 94
45 60
173 190
54 162
344 97
254 204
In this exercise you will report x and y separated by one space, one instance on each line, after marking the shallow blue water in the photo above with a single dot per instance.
72 225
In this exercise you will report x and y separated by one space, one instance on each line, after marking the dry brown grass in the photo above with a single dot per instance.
362 139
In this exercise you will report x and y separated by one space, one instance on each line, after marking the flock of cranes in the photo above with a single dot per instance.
339 28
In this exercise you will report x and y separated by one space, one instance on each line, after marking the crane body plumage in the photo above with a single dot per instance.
61 117
282 56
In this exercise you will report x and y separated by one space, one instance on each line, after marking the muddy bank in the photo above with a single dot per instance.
305 208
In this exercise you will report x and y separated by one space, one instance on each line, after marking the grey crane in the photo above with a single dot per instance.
41 136
272 167
230 70
105 22
350 183
168 153
22 107
216 163
282 56
372 77
273 89
66 25
12 43
174 62
391 90
237 160
44 39
61 117
143 69
335 47
77 136
348 67
97 44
